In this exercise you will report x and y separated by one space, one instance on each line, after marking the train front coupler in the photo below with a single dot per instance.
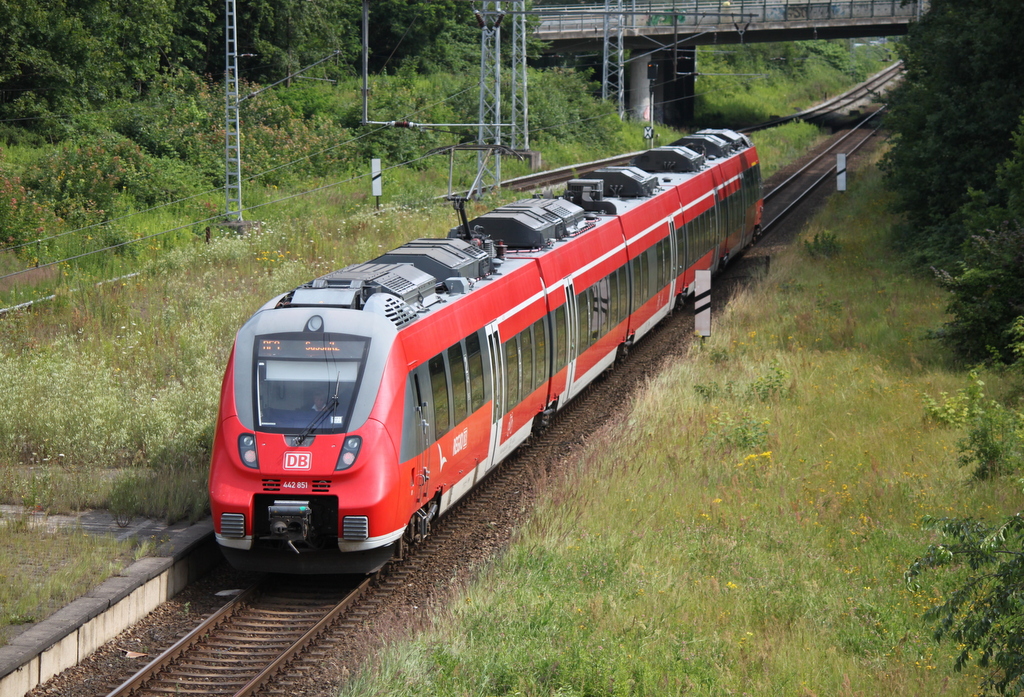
291 522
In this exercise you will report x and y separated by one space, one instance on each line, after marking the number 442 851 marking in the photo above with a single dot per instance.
295 485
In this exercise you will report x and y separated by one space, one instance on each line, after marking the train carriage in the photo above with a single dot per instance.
360 406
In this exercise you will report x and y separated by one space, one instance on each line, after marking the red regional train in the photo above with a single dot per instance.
360 406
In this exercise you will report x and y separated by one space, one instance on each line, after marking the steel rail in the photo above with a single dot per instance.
828 173
186 642
562 174
138 682
316 630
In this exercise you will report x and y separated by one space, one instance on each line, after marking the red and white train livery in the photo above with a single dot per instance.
361 405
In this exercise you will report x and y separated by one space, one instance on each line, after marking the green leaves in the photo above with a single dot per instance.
959 53
986 296
983 615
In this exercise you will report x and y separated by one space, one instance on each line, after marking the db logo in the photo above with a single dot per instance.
298 461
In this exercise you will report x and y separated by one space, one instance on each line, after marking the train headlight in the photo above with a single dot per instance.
247 450
349 453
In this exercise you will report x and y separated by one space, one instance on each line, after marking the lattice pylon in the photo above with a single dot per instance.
520 101
232 132
489 169
613 84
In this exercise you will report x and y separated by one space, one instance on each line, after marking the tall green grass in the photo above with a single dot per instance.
744 530
751 85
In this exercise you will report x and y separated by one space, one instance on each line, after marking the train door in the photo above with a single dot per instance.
497 377
673 260
419 476
717 225
572 337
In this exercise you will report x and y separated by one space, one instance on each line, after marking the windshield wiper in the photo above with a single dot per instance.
331 405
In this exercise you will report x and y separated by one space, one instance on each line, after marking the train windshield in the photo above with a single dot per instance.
307 381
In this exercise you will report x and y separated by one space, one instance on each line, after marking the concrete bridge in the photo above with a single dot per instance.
649 25
637 34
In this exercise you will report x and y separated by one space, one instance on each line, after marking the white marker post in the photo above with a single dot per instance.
702 303
841 171
375 179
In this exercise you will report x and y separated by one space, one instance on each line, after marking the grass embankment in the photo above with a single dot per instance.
746 528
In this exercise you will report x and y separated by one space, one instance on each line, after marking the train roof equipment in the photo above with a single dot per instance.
714 143
527 224
669 159
626 182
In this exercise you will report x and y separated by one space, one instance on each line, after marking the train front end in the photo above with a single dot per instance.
303 477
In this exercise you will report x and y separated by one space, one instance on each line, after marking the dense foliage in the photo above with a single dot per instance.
957 165
953 118
983 615
64 59
987 294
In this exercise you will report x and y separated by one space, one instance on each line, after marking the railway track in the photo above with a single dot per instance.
786 195
292 635
860 94
842 105
240 648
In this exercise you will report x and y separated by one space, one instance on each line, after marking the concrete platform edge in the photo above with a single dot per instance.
75 631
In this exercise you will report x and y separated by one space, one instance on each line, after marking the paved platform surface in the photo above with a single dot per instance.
94 523
183 553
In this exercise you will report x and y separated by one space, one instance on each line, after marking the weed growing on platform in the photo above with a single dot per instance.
62 566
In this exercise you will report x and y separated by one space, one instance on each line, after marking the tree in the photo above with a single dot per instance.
984 615
986 296
66 56
952 118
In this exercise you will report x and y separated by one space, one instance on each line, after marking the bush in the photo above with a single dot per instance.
22 217
986 296
982 615
994 444
824 245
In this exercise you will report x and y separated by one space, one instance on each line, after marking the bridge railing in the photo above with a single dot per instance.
702 14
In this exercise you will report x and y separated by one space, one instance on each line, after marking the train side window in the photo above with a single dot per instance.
602 305
511 373
688 245
540 346
526 353
439 387
476 370
726 218
612 289
705 232
560 338
698 244
460 396
583 306
623 294
634 267
646 260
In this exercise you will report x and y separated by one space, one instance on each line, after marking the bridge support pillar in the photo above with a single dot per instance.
671 93
640 98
